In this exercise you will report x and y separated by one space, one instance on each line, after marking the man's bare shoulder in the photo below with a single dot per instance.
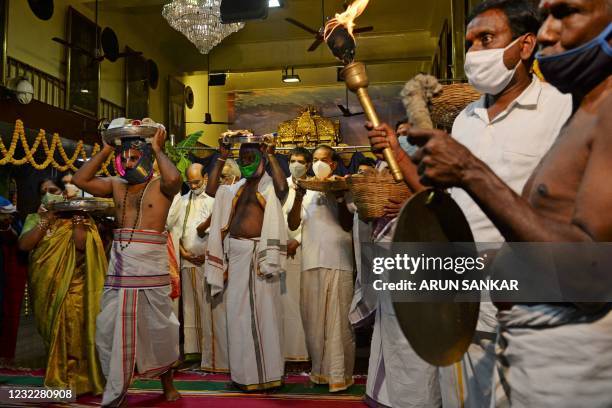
155 187
155 184
604 118
116 181
593 118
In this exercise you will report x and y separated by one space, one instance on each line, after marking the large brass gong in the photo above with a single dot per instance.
439 332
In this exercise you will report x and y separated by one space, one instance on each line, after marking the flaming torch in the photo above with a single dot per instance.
339 36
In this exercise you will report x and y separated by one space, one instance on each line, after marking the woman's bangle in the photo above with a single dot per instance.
220 159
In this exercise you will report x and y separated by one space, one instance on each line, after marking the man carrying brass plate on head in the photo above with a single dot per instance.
138 277
509 128
245 257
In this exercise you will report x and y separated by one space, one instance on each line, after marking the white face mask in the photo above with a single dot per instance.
486 70
72 190
321 169
297 169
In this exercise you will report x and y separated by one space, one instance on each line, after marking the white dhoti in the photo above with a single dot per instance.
294 340
136 327
254 320
554 356
397 376
468 383
215 357
325 303
192 287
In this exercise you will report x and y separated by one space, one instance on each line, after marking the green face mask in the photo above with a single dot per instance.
51 198
249 170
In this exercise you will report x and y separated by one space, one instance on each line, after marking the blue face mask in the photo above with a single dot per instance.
407 146
579 70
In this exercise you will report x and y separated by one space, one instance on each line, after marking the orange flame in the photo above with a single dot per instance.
346 19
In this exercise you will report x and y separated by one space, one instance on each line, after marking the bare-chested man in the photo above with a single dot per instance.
246 253
549 354
136 325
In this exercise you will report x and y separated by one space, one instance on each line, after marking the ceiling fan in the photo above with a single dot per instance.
319 33
107 45
346 111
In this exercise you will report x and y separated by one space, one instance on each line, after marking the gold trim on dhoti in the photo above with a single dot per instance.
259 387
333 387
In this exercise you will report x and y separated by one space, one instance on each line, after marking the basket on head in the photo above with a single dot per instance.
450 102
372 193
324 186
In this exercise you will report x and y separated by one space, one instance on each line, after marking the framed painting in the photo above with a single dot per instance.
176 109
83 70
136 86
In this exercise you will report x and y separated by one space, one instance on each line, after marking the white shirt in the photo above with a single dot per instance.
200 208
512 144
324 243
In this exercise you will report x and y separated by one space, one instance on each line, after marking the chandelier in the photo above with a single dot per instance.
199 21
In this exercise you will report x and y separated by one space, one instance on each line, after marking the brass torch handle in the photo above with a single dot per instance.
368 108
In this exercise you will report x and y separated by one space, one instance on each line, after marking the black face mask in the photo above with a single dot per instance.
581 69
143 170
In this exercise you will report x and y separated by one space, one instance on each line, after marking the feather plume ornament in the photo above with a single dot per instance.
416 97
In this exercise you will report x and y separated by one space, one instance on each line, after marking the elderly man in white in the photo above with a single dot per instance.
188 222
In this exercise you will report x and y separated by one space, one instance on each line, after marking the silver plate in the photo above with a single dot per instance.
240 138
113 136
82 204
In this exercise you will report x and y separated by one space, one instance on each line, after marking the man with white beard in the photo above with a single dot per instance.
191 218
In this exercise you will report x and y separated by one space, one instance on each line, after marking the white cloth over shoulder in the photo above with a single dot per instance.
272 247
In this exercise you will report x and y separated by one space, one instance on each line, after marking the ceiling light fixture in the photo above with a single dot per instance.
199 21
274 3
290 78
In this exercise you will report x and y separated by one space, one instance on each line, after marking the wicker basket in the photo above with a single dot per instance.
372 193
453 99
324 186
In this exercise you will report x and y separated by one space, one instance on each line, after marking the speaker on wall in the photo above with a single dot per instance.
216 79
233 11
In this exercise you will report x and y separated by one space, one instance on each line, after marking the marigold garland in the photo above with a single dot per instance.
56 144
